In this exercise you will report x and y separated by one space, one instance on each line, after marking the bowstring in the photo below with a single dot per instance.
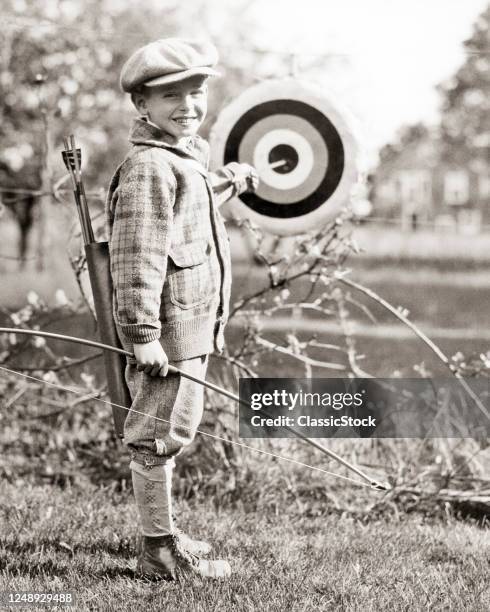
203 433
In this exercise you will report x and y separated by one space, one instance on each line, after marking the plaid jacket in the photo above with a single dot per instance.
169 250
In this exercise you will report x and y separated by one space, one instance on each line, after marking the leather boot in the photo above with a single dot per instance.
165 557
195 547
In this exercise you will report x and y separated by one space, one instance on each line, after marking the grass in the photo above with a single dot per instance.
84 540
455 304
384 249
386 243
380 357
296 540
453 300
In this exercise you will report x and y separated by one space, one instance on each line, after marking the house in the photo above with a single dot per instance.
417 185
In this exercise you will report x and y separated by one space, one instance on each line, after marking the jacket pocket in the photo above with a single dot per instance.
190 283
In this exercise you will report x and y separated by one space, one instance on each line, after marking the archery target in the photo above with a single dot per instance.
302 148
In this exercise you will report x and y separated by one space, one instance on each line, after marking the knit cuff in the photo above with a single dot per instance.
226 172
140 334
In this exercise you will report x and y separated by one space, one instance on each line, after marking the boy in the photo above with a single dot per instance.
170 266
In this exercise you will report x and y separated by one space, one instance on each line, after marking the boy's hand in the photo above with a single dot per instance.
245 176
151 358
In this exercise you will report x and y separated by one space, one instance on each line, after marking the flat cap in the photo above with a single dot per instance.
167 61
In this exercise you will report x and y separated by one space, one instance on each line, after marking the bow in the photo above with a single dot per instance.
106 347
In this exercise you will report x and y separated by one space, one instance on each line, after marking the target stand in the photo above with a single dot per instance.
302 148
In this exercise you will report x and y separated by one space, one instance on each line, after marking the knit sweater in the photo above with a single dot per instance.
169 251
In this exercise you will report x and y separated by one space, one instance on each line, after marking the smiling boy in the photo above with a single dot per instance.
170 266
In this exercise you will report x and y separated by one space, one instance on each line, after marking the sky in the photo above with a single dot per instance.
387 56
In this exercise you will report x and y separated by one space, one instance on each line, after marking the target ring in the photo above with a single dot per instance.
302 147
283 189
297 146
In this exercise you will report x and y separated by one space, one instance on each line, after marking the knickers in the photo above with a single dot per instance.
176 400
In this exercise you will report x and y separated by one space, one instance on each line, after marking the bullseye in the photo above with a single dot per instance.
288 156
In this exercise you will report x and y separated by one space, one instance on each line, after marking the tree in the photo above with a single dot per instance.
406 136
466 99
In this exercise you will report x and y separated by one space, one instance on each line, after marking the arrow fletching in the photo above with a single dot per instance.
72 158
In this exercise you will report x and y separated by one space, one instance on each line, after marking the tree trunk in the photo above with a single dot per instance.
45 200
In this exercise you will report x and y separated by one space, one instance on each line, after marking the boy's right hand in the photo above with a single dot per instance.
151 358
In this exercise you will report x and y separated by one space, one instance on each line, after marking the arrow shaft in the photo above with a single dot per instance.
278 163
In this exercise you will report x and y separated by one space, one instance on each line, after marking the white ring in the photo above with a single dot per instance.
272 139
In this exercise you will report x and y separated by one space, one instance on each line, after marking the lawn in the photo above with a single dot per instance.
296 540
432 297
84 540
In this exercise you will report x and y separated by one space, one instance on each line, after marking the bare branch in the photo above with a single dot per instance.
418 332
303 358
57 367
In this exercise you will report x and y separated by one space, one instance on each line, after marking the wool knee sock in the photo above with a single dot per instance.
152 488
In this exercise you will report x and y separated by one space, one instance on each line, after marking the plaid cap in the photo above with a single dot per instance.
167 61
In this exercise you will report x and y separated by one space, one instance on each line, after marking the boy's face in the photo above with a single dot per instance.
177 108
